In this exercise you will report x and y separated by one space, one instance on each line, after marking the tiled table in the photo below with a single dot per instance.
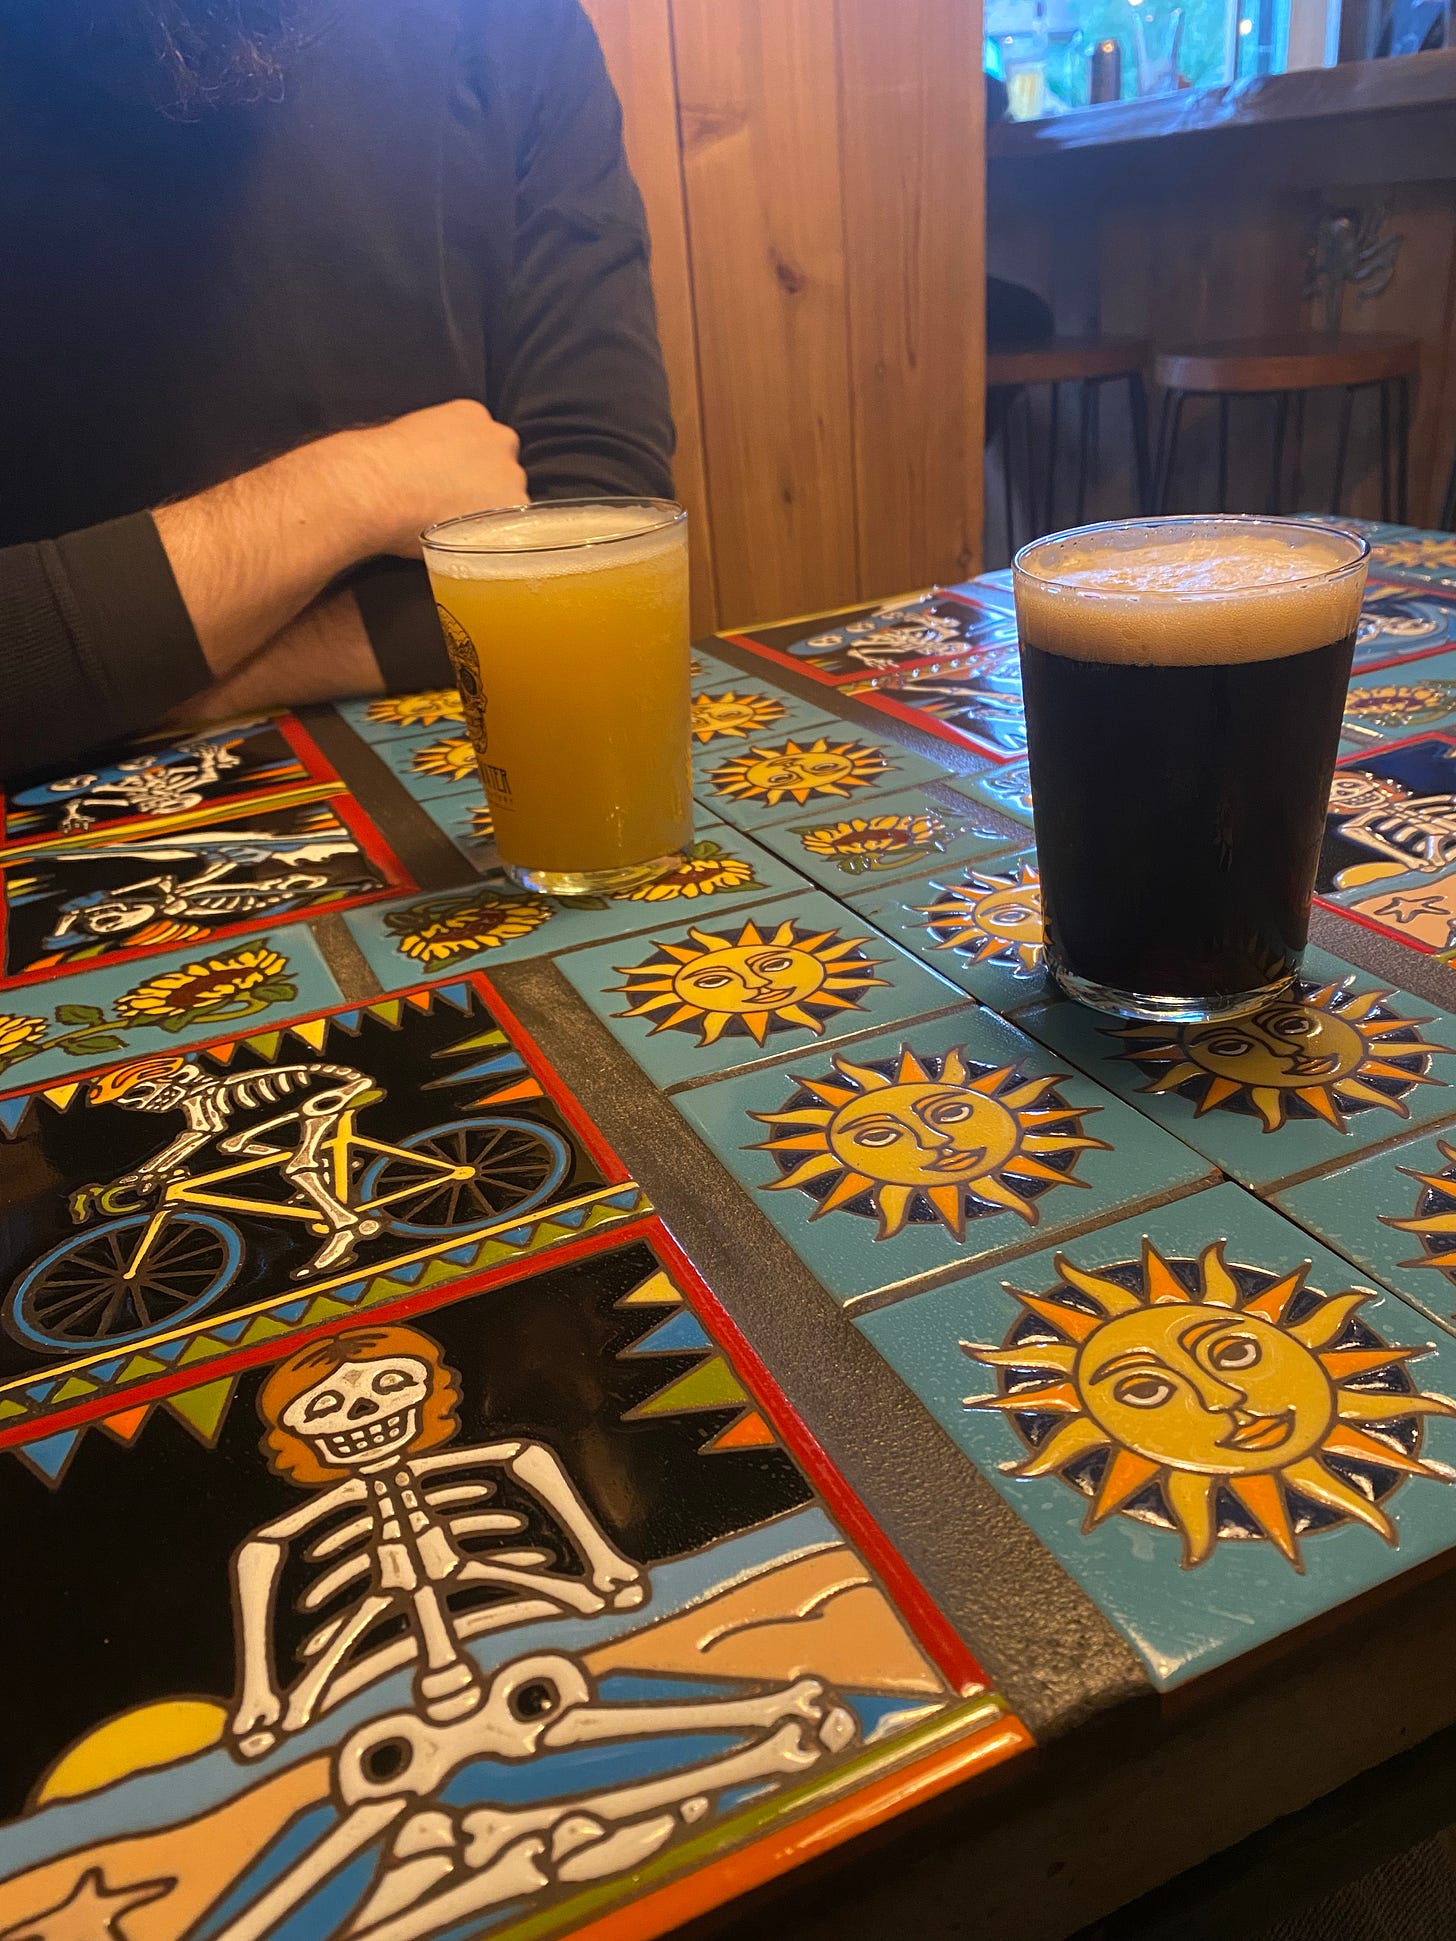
526 1418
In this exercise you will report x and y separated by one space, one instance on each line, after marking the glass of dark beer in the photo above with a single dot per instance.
1184 682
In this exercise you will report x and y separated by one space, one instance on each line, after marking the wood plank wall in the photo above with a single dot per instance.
813 172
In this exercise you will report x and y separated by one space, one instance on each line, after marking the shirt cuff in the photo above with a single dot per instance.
398 611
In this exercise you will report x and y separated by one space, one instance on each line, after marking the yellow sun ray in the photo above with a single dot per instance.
993 919
1193 1381
799 771
1313 1052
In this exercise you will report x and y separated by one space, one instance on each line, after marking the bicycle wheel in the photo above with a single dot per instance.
515 1164
79 1293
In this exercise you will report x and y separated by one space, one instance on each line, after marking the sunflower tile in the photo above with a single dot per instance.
980 925
1338 1065
58 1031
702 997
1392 703
935 1145
786 778
494 922
855 851
1218 1426
1394 1214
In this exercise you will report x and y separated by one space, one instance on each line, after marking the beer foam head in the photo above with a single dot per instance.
1183 592
552 539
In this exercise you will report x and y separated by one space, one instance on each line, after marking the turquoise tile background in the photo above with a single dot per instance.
60 1005
955 836
844 1246
986 933
1007 788
714 790
795 718
1233 1131
1351 1208
1181 1620
672 1053
443 710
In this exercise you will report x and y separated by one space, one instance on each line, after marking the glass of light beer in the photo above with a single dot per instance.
1184 683
567 623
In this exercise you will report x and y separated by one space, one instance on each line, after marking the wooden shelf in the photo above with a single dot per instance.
1266 100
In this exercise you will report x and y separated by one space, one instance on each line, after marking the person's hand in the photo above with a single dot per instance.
430 465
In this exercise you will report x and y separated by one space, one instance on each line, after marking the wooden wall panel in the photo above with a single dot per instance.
756 85
636 37
912 126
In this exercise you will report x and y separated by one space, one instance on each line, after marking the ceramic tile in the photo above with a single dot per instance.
670 1565
1392 1214
1338 1064
449 1145
493 922
941 1144
780 779
995 588
1419 911
925 633
436 766
733 715
1392 816
1400 622
1007 789
433 713
857 852
1413 554
689 999
159 1006
1390 704
980 925
976 704
1214 1423
466 820
706 670
127 896
164 782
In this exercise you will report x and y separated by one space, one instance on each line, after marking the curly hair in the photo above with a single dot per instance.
289 1455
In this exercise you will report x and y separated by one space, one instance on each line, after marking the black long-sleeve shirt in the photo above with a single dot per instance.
437 206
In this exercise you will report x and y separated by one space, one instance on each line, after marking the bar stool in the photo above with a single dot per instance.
1286 369
1089 362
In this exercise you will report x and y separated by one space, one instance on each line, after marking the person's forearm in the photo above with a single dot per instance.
323 654
250 554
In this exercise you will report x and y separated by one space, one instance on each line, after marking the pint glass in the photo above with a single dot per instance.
1184 683
567 623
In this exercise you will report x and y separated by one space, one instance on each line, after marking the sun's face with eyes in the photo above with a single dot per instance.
750 984
731 716
993 919
799 772
1210 1399
915 1140
1321 1052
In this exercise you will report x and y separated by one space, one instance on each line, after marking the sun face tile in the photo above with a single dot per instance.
858 851
737 714
466 820
1340 1063
1007 788
940 1143
436 767
688 999
1394 1214
494 922
783 778
1217 1425
432 712
980 925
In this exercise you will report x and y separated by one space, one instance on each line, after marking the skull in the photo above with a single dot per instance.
1358 790
362 1412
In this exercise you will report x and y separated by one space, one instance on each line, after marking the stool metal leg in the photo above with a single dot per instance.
1137 405
1387 454
1276 470
1223 451
1173 403
1402 450
1084 445
1342 446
